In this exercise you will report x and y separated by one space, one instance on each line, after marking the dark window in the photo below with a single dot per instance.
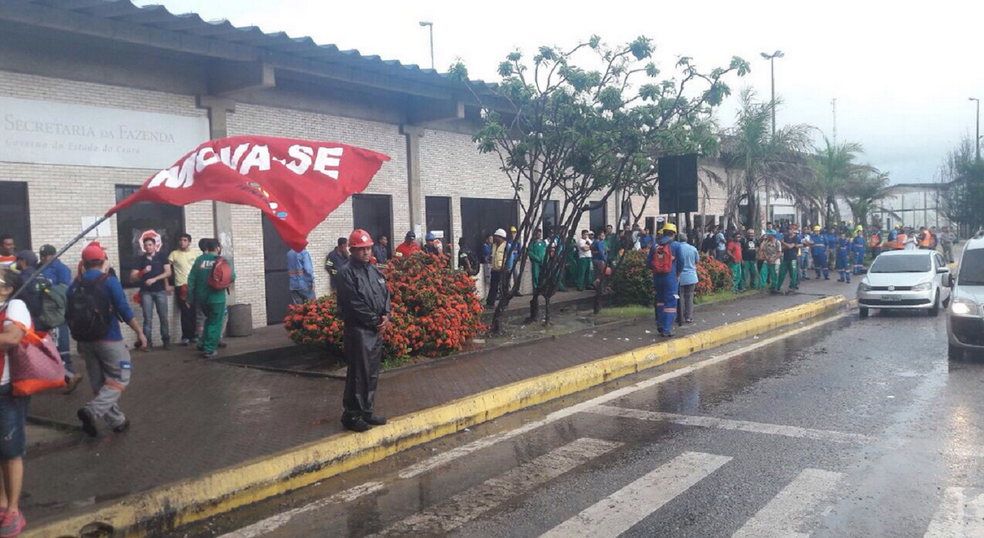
275 279
131 223
15 218
550 212
598 217
437 211
972 268
373 213
902 263
651 225
481 217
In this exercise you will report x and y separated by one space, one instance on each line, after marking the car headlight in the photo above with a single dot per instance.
925 286
963 307
864 286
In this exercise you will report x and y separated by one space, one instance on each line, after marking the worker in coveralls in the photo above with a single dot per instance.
364 304
844 258
857 250
663 262
819 252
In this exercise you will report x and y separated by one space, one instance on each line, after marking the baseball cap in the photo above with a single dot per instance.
29 256
410 235
94 251
48 250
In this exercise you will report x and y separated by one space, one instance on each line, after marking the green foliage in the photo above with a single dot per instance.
835 167
963 198
633 282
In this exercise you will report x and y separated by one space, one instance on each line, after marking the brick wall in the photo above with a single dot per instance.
59 196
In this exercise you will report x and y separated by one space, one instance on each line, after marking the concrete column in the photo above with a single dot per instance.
218 110
415 195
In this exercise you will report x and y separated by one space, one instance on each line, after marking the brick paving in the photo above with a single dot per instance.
191 416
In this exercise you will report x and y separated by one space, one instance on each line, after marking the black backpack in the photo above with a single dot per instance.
90 313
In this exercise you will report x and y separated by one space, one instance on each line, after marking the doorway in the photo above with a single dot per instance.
275 273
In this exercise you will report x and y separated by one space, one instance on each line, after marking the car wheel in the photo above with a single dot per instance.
954 353
863 312
935 310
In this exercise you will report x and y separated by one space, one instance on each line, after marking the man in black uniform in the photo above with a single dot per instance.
364 303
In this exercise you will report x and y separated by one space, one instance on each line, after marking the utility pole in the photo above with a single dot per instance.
977 137
833 104
772 65
430 26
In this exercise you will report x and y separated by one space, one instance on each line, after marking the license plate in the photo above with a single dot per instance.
891 298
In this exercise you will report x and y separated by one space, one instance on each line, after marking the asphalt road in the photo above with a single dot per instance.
846 428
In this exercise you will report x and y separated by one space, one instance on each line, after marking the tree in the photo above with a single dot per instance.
751 149
579 134
835 167
963 199
863 191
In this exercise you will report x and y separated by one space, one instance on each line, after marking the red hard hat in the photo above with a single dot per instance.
360 238
94 251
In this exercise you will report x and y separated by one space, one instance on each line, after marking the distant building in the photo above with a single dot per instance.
912 204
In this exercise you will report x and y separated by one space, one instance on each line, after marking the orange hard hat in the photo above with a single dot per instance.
360 238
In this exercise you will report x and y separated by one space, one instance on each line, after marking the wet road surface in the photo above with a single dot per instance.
845 428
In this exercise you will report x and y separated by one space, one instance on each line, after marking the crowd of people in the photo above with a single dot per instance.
91 305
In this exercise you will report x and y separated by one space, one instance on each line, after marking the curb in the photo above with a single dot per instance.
158 511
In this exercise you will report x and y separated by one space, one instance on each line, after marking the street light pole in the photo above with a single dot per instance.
772 64
430 26
977 138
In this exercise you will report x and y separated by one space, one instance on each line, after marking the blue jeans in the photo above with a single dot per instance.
65 347
13 414
148 301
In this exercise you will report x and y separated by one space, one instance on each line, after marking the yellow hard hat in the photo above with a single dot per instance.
859 228
669 227
816 228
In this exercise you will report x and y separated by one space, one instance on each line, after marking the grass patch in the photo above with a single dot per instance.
724 295
627 311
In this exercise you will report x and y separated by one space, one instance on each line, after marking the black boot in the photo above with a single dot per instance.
374 420
356 425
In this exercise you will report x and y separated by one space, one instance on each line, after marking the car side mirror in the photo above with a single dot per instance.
943 270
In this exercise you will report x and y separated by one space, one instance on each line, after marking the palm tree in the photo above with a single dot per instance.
863 191
835 167
752 150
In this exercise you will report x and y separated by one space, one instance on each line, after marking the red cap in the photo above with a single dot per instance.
360 238
94 251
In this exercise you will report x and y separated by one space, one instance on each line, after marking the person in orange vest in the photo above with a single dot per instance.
924 239
876 242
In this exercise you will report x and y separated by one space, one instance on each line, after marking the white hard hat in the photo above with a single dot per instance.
500 233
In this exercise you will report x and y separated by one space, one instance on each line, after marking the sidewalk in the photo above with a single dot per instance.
192 417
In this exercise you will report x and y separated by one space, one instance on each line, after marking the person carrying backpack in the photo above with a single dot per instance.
662 261
96 304
208 283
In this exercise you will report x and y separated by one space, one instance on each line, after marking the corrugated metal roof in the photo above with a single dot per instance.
158 17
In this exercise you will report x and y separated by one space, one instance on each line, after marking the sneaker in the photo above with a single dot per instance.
358 425
374 420
122 427
12 524
88 422
72 383
193 340
223 345
210 354
184 342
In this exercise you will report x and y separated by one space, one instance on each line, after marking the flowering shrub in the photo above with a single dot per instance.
633 281
718 273
434 311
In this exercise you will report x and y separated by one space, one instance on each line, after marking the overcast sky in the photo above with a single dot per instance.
901 72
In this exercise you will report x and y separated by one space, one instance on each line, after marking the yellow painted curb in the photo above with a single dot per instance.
159 510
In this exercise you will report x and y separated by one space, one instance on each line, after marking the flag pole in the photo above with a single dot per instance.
58 254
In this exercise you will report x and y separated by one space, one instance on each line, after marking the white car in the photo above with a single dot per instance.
965 319
906 280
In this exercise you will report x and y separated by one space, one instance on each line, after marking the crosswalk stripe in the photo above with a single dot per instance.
474 502
621 510
783 516
485 442
961 514
727 424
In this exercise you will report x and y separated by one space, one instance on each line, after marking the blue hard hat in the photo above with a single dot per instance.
430 237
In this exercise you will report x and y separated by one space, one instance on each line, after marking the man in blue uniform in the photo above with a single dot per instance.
844 258
663 262
819 252
857 250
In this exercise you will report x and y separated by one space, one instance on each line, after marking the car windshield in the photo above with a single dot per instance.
972 268
901 264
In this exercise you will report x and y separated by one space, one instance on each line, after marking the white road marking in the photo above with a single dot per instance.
621 510
464 450
464 507
961 514
270 524
727 424
784 515
273 523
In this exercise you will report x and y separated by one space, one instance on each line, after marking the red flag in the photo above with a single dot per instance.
297 183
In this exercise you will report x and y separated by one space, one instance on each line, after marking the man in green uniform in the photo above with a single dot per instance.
210 300
537 252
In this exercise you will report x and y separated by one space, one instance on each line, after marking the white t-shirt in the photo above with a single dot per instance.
581 243
16 313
